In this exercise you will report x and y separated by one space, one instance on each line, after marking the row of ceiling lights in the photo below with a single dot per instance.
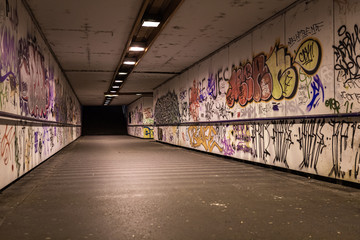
152 17
128 63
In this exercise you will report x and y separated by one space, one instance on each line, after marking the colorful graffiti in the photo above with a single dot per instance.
148 132
148 115
194 101
216 86
8 55
228 149
317 93
278 93
274 76
140 114
7 146
242 136
301 145
22 148
31 85
242 86
8 67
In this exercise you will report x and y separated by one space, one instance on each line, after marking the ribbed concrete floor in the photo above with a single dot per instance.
118 187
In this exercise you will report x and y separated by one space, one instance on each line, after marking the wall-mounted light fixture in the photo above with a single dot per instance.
129 61
137 47
150 23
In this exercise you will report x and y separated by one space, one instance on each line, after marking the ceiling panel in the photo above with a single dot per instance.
124 99
90 86
144 82
81 61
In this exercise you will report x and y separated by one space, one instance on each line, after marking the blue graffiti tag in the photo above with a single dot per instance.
317 86
211 88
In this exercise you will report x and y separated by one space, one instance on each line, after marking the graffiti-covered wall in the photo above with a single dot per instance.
140 118
39 113
286 94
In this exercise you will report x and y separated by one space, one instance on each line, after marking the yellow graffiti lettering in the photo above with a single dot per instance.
148 132
279 63
288 82
203 136
308 56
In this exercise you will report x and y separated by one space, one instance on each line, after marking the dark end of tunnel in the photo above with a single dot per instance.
103 120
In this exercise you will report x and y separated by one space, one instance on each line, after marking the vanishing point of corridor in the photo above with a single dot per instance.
120 187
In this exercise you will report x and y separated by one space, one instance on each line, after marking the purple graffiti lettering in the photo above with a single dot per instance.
8 57
36 141
227 147
276 106
34 87
243 148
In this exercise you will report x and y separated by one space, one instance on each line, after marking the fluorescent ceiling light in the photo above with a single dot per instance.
129 61
150 23
118 81
136 49
113 91
116 86
111 95
122 73
138 94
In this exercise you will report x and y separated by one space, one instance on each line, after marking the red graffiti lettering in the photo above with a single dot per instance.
194 102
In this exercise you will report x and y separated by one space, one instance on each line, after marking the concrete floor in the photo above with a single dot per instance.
119 187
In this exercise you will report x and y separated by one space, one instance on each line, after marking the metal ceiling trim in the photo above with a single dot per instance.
170 10
131 35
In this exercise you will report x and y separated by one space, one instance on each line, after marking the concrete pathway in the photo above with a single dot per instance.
120 187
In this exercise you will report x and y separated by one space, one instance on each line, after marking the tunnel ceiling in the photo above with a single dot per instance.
89 38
